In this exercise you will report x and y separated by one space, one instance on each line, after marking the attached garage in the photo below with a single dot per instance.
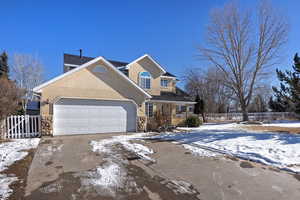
92 98
87 116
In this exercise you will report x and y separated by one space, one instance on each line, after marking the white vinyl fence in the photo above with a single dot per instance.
252 116
21 126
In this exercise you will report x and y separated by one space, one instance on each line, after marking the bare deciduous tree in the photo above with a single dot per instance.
28 72
209 85
244 46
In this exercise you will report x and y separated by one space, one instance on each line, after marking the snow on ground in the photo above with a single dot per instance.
200 151
284 123
112 175
276 149
15 150
5 181
141 150
11 152
109 178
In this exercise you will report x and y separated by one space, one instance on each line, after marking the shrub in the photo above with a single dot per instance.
10 96
192 121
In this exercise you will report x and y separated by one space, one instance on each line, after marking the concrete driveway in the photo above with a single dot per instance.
62 164
59 156
66 168
224 177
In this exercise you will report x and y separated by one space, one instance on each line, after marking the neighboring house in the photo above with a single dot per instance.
96 95
33 108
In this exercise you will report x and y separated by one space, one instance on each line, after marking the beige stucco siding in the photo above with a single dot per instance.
86 83
148 66
137 68
171 86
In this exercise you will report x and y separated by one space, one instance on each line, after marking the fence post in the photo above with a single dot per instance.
40 126
19 126
8 127
23 126
27 125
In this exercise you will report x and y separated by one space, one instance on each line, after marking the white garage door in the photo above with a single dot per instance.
82 116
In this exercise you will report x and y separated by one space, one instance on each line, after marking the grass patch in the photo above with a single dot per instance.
273 129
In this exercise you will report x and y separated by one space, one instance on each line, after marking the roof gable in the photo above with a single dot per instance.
40 87
146 56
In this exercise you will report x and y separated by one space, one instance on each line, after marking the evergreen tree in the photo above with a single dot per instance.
289 91
199 107
276 105
4 70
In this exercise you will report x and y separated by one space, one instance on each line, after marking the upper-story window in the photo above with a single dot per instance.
145 80
164 82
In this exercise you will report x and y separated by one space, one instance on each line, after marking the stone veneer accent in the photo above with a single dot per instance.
141 123
47 125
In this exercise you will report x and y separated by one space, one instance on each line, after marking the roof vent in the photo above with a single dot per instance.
80 53
99 69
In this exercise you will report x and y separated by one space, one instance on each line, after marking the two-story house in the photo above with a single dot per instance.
96 95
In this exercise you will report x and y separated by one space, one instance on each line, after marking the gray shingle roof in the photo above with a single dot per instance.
168 74
180 95
76 60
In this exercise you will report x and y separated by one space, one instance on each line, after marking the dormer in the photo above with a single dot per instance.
150 76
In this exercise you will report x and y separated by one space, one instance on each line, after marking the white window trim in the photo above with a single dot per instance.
161 80
144 77
147 108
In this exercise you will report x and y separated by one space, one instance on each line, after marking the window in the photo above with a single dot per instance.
191 109
149 109
180 109
164 82
145 80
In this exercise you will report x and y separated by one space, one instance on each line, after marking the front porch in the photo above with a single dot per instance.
167 113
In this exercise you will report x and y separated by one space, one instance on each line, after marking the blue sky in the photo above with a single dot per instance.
169 30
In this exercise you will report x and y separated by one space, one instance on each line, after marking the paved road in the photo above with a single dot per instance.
64 167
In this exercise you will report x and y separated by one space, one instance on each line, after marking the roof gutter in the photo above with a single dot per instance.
176 102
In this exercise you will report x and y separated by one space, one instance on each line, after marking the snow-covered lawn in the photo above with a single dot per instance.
276 149
11 152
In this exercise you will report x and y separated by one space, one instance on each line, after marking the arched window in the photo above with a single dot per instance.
145 80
